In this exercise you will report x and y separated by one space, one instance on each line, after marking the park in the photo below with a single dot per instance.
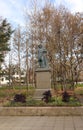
41 66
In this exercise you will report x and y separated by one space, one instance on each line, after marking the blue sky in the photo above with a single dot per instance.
13 10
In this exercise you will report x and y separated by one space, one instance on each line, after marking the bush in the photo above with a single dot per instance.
47 96
55 101
65 96
20 98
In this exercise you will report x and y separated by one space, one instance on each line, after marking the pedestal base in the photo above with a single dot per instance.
43 82
38 95
43 78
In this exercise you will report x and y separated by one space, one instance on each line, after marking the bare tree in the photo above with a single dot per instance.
61 33
17 45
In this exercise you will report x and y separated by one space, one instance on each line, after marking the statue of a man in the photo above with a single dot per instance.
42 59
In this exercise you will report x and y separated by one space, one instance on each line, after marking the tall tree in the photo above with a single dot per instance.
17 45
5 35
62 34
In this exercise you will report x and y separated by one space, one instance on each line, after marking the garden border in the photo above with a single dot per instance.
41 111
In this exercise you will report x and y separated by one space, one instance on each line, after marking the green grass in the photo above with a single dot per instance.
59 86
29 102
55 101
7 93
79 85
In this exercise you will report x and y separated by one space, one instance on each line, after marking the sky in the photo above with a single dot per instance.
13 10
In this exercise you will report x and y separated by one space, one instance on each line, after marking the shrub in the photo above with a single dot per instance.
65 96
47 96
20 98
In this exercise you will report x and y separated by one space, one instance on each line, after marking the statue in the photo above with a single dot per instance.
42 58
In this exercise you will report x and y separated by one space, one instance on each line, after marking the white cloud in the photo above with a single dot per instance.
4 9
73 5
13 9
18 4
76 5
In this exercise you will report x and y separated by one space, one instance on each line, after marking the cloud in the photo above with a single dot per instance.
76 5
18 4
73 5
13 10
4 9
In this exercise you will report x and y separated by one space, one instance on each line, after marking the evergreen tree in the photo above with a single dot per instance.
5 34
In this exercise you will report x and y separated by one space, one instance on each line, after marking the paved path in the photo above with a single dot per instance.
41 123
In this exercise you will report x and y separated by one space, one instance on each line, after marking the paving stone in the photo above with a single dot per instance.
79 128
70 128
58 128
41 123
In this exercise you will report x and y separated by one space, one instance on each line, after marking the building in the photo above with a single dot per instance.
4 80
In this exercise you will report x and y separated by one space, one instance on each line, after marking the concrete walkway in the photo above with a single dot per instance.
41 123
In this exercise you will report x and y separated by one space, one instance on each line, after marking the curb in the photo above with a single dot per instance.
41 111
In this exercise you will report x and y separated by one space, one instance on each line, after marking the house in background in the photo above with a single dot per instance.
4 80
16 77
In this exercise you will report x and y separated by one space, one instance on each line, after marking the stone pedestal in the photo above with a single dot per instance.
43 81
43 78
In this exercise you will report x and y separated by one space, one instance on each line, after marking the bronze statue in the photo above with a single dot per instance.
42 56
